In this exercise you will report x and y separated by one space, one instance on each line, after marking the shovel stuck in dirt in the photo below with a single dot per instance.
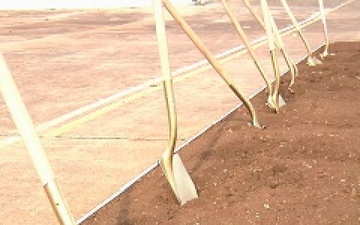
271 31
281 46
311 60
278 42
175 172
323 18
251 51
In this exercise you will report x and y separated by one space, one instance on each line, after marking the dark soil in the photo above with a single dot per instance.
304 168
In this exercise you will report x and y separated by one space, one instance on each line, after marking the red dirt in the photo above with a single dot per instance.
302 169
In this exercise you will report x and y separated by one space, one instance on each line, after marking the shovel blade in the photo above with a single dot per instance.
313 61
185 189
281 101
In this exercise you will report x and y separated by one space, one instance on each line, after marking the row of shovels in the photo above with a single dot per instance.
178 177
173 168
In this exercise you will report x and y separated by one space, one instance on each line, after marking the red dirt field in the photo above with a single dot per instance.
302 169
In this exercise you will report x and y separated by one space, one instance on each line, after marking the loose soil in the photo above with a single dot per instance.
302 169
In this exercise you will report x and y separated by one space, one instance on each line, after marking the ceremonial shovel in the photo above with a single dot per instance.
175 171
271 30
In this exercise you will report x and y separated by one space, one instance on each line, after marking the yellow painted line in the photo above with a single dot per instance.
93 115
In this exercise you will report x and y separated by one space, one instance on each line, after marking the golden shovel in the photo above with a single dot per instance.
278 42
175 171
212 59
311 60
251 51
271 31
323 18
278 39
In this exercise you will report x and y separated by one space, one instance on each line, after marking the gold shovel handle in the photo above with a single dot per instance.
270 32
253 12
280 43
297 27
212 59
326 35
167 157
32 142
250 49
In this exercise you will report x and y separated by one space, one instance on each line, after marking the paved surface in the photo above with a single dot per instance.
63 60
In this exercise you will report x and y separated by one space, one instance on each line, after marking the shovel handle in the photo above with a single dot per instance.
278 40
33 144
269 28
296 24
212 59
323 18
247 44
280 44
261 21
253 12
167 157
270 31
